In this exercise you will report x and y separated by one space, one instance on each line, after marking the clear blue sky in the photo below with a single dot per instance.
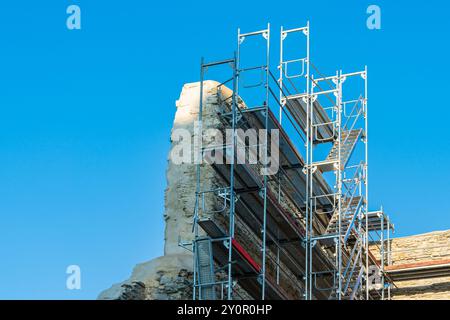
85 119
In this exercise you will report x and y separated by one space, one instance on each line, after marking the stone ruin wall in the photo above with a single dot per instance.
170 276
432 246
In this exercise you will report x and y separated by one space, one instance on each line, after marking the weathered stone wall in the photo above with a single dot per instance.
164 278
423 289
170 276
181 178
434 246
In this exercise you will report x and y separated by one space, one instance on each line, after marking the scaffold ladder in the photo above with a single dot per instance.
205 270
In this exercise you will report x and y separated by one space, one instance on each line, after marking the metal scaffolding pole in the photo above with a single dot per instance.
366 151
339 182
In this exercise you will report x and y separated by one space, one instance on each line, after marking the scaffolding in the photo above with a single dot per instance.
303 232
380 230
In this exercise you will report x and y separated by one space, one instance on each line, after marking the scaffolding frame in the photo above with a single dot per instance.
380 230
323 125
312 232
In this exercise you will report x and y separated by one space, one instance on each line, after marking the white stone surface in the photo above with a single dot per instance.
179 199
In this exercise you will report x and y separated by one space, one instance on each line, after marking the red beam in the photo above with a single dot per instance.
245 255
417 265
